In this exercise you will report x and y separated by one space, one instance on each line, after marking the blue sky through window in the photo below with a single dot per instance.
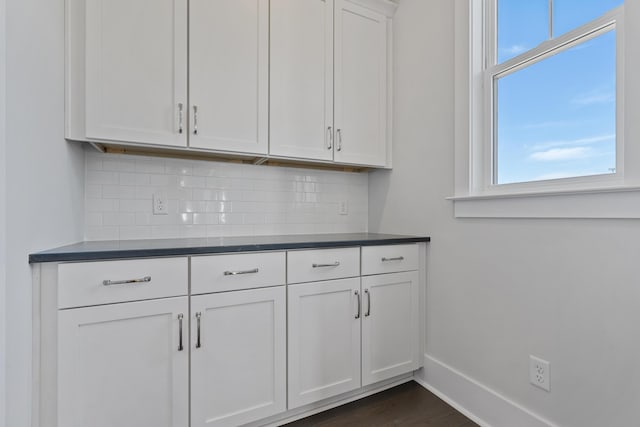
555 118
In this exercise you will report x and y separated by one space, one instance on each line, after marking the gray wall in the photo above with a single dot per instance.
502 289
3 207
45 177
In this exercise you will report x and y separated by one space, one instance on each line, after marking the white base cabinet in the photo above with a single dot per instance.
223 340
123 365
389 326
324 340
238 356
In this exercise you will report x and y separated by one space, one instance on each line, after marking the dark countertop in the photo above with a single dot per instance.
114 249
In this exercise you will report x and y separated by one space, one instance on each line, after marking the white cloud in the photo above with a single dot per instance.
594 97
572 142
556 154
552 124
514 50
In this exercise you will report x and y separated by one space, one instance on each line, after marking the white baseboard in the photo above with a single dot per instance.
474 400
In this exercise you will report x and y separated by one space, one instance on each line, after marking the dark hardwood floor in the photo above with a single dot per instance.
405 405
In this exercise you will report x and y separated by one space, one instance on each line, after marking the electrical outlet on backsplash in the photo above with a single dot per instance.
210 199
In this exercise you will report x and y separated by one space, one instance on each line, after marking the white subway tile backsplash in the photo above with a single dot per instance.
211 199
135 232
95 176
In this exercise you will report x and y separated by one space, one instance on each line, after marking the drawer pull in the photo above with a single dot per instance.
145 279
359 304
198 317
368 312
180 317
335 264
235 273
400 258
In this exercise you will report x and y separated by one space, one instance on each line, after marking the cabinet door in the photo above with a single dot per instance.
136 70
360 85
238 356
389 326
324 340
229 76
121 365
301 97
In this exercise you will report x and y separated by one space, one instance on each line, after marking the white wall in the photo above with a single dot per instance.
500 290
3 229
44 175
211 199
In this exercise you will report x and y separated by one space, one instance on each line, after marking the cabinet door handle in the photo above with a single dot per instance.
198 317
145 279
195 119
368 312
235 273
399 258
359 304
339 139
180 317
180 116
335 264
329 138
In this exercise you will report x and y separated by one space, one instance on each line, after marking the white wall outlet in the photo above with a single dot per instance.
160 204
539 373
343 207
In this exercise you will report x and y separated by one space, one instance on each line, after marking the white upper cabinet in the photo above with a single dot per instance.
302 79
229 75
329 62
360 85
292 79
136 71
127 73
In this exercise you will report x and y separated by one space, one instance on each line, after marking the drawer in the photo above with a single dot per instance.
322 264
106 282
389 259
219 273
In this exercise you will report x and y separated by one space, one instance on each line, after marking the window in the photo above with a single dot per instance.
551 84
547 100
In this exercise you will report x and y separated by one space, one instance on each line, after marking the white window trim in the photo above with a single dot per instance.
601 196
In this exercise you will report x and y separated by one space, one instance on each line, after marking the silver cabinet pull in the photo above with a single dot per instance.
180 117
330 138
180 317
368 312
145 279
339 139
236 273
359 304
400 258
335 264
195 119
198 317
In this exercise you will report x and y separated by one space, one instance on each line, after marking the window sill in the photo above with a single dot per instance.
611 202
